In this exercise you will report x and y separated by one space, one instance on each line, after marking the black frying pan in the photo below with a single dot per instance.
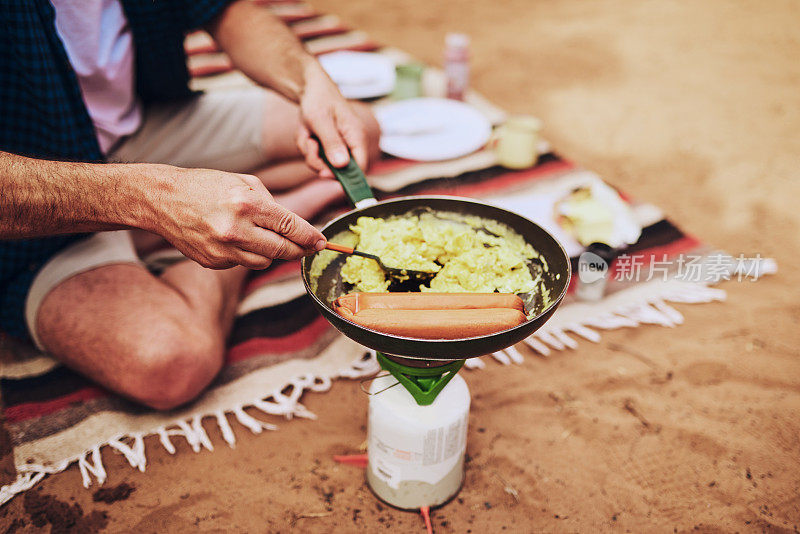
426 352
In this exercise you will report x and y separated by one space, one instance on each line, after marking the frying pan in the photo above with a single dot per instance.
415 352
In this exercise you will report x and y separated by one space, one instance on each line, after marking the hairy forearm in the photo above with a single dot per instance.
263 48
40 197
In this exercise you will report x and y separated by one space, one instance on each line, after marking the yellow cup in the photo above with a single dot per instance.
517 142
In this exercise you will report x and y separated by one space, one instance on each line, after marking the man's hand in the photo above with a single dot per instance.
330 117
263 48
218 219
222 219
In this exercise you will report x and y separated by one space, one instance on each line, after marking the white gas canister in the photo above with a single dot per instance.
416 453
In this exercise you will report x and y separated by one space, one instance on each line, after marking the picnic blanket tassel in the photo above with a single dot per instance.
135 455
299 385
365 366
501 357
674 315
163 436
272 407
695 295
96 467
302 411
186 431
537 345
192 435
515 355
255 426
610 321
295 408
225 429
564 339
630 311
474 363
647 314
319 384
24 482
200 432
550 339
584 332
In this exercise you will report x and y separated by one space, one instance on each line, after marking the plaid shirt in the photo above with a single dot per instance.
42 113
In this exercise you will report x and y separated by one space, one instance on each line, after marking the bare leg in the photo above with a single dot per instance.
159 341
286 175
309 199
147 242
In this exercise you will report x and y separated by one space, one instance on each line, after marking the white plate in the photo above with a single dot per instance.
360 74
431 129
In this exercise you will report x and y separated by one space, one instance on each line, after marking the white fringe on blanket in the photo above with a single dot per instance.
132 446
644 303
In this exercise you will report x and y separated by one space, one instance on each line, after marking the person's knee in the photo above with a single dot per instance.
174 367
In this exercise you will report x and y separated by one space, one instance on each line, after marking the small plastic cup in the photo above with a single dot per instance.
408 83
517 142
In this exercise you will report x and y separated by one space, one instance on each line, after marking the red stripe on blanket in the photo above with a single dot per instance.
388 165
623 195
503 181
23 412
292 18
205 49
367 46
291 343
320 32
209 70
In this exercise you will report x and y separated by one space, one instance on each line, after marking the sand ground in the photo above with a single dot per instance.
694 106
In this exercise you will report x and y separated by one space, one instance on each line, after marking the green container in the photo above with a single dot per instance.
408 83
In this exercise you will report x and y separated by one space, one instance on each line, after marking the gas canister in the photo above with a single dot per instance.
416 451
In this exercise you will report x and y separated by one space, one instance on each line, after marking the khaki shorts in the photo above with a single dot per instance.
221 130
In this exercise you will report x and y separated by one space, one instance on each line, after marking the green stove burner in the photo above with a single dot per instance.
423 383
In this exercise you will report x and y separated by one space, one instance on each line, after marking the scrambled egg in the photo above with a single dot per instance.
469 254
596 213
323 258
587 218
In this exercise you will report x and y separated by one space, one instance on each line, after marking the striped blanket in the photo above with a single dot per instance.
280 345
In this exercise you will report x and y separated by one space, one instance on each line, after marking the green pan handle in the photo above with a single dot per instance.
353 181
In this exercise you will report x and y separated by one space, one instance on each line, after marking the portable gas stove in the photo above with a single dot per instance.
417 433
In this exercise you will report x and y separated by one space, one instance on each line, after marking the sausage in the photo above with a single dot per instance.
356 302
435 324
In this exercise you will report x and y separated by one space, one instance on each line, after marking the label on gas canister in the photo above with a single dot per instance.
401 454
